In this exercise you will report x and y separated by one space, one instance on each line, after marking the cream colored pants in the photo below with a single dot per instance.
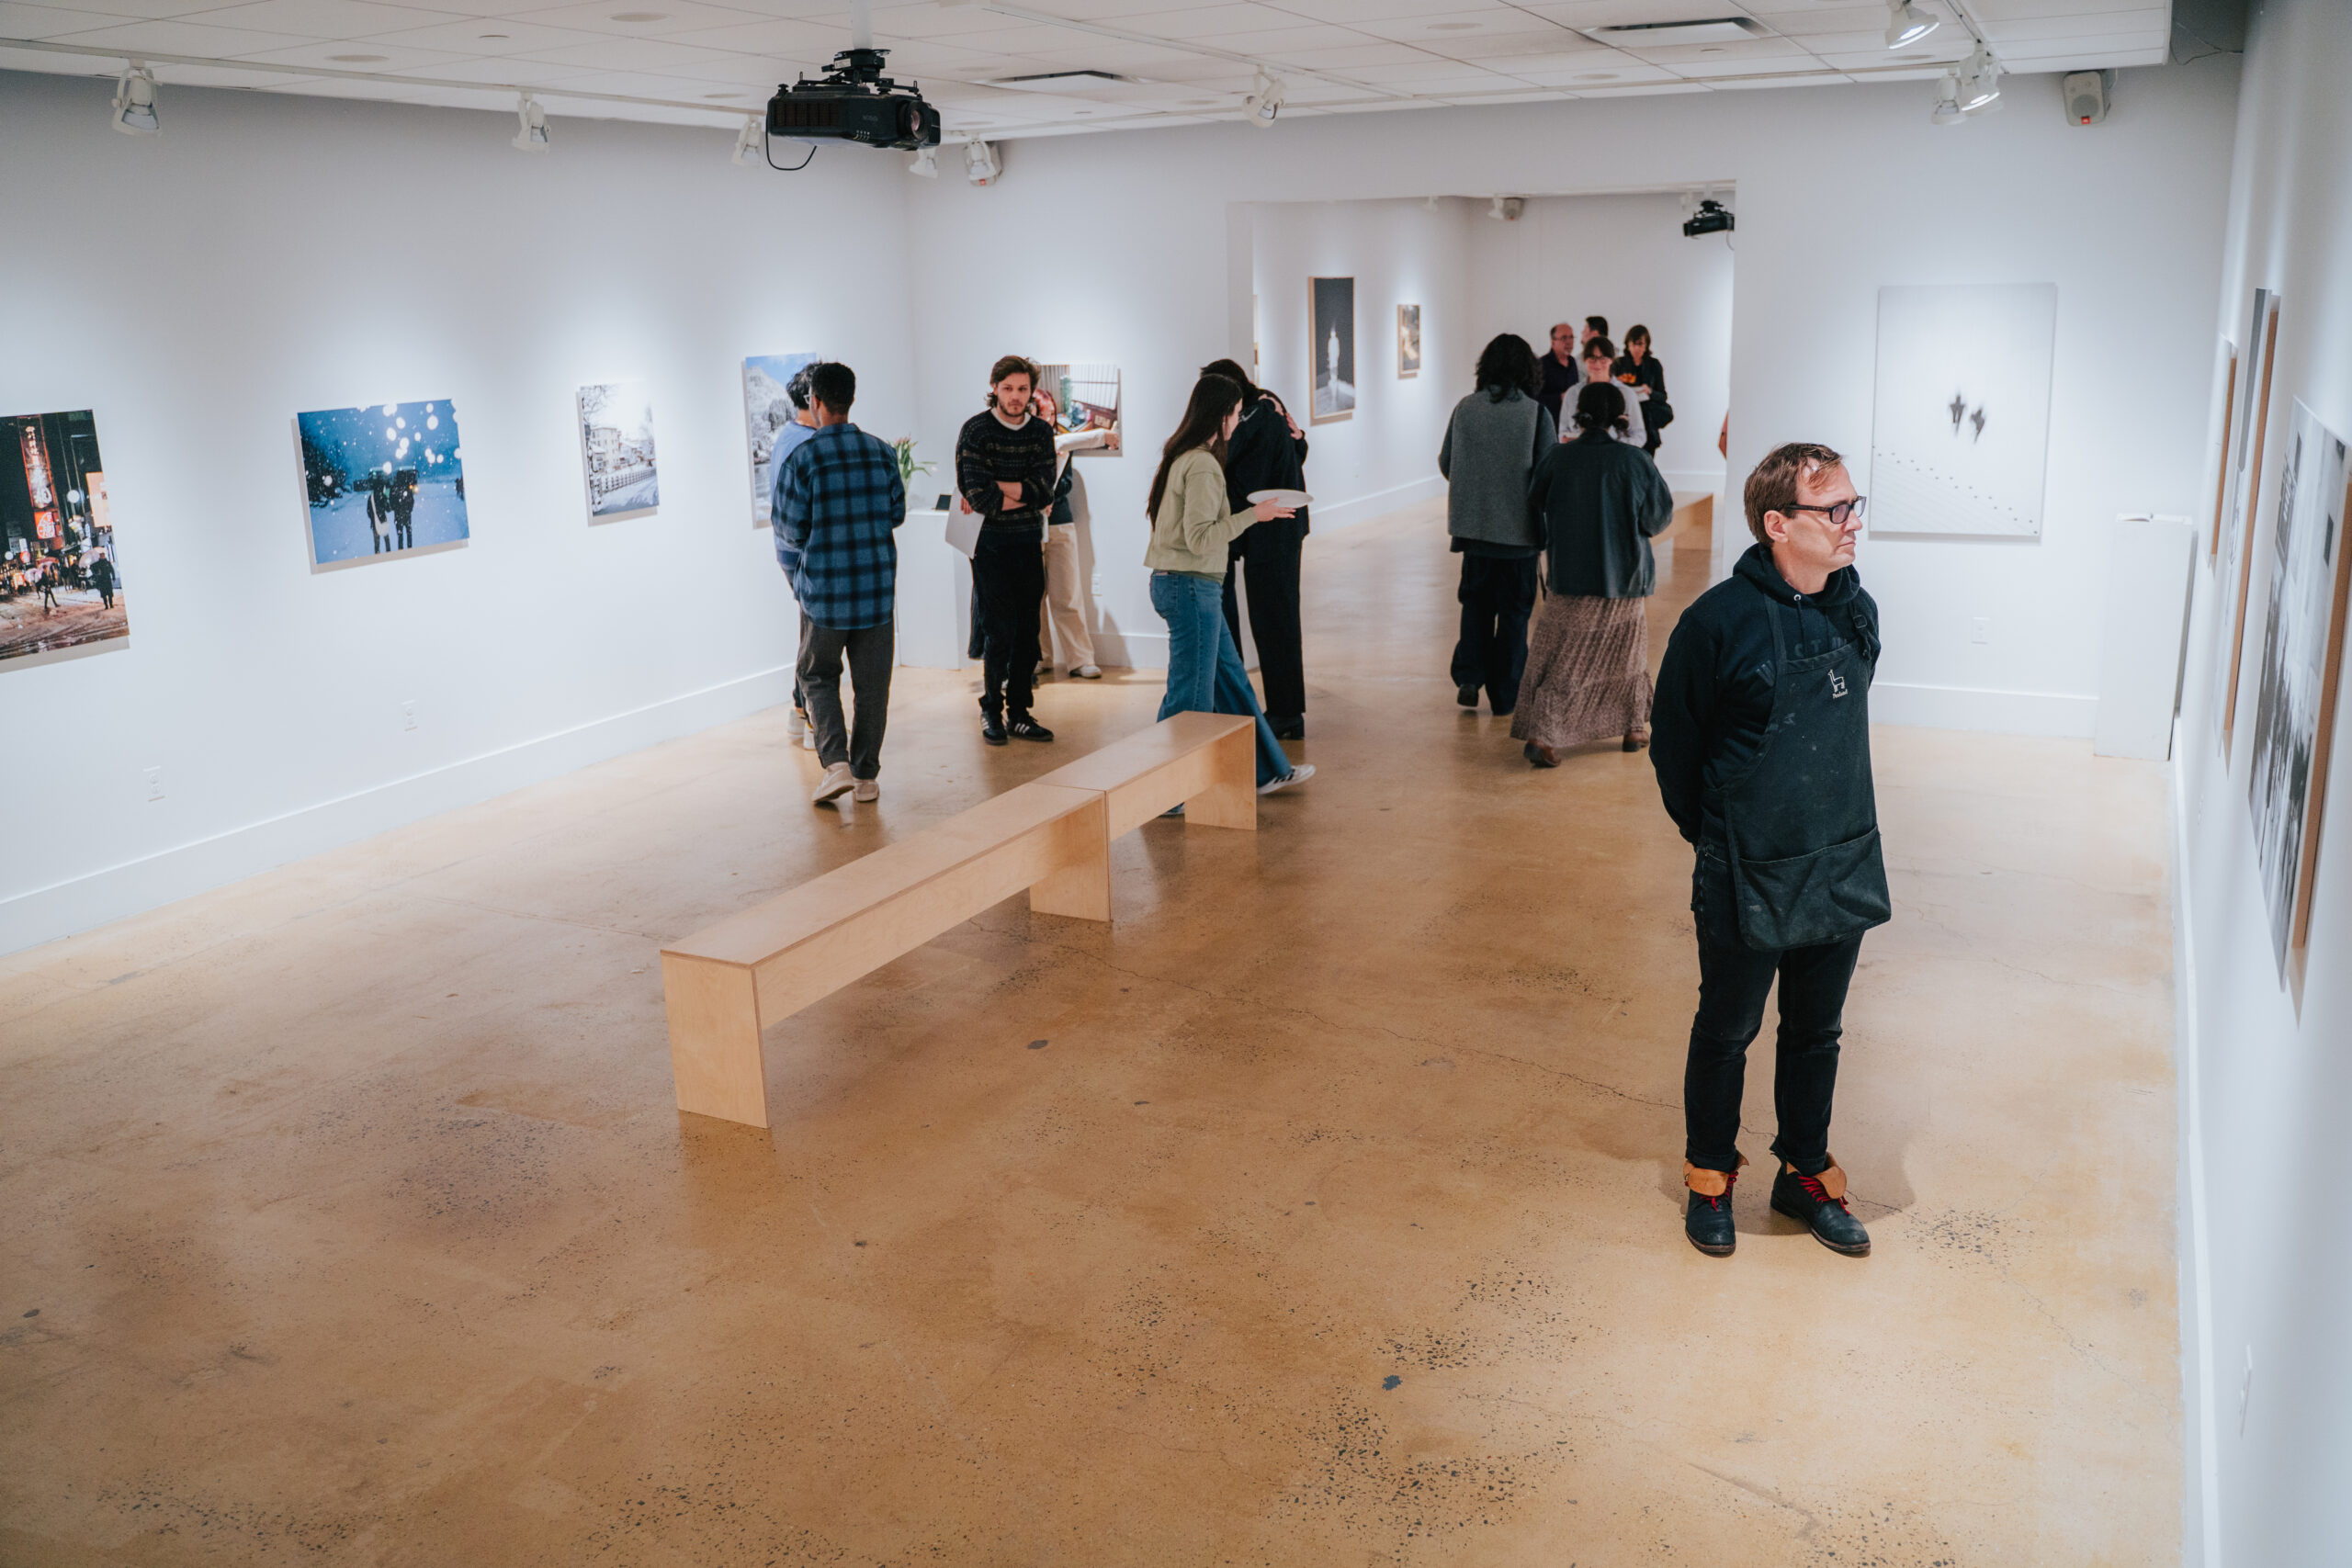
1063 614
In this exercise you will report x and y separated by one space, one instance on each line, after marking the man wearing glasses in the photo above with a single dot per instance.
1761 737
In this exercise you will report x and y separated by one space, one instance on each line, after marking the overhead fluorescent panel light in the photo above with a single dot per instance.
1665 35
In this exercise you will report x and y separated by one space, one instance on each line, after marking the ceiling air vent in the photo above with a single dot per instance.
1661 34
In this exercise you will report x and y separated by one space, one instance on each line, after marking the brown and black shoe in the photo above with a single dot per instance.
1707 1222
1818 1203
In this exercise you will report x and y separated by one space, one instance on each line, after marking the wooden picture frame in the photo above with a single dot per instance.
1333 371
2221 468
2264 345
2323 737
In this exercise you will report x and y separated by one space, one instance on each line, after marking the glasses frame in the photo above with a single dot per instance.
1853 509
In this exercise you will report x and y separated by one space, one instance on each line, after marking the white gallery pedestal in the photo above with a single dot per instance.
934 586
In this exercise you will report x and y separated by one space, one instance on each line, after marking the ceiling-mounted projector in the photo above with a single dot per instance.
1713 218
855 102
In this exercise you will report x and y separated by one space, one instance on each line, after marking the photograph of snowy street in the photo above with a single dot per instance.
767 408
61 586
386 478
617 443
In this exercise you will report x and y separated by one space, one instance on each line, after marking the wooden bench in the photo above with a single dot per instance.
1051 836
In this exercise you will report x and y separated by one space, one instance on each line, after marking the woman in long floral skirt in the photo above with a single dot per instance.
1601 502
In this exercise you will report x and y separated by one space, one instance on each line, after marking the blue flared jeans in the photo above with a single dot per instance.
1205 673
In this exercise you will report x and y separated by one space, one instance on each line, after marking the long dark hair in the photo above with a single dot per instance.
1600 406
1508 365
1213 396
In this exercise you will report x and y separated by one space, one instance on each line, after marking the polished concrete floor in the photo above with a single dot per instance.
1324 1211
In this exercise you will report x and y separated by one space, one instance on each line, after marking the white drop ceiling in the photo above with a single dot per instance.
1184 61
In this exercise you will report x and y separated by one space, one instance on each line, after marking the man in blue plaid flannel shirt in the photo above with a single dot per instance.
839 498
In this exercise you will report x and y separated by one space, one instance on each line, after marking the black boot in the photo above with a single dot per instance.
1818 1203
1707 1222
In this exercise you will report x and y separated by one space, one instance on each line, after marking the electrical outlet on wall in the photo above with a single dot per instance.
1980 629
154 778
408 714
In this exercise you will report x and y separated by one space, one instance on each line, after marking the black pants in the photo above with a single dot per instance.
1733 983
407 537
1497 595
1009 575
872 651
1272 551
107 595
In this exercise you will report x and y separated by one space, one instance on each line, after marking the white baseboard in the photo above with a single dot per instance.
1975 707
2200 1545
1364 508
63 908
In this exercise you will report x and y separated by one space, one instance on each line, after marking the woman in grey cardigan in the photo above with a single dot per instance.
1492 445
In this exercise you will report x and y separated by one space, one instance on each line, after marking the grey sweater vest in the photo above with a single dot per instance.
1490 450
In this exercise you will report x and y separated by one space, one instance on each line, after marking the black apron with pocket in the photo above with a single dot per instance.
1802 823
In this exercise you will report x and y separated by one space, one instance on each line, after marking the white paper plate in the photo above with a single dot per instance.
1290 498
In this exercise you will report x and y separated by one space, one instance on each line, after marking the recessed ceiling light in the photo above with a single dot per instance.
359 59
640 16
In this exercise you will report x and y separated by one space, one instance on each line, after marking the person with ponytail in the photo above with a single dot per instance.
1192 526
1598 500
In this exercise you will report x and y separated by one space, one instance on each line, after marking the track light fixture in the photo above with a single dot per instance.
1906 23
1506 208
748 141
980 165
1265 104
533 136
925 164
1947 109
1974 88
135 101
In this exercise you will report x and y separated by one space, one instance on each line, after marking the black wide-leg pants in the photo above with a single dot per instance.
1270 551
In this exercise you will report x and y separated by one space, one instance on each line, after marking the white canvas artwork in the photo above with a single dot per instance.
767 408
1959 431
617 446
2291 735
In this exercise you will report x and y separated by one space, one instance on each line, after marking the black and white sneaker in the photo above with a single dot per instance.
992 729
1027 728
1298 774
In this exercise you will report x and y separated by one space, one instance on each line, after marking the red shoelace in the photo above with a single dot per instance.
1730 1179
1820 1194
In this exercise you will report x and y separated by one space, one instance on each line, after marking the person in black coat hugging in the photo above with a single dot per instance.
1268 451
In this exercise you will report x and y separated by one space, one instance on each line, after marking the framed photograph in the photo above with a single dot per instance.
2297 679
616 447
1332 348
1409 342
766 409
2251 432
384 480
61 582
1960 428
2222 458
1082 402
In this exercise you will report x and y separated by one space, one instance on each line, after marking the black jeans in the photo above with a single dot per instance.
1496 596
1272 551
1733 983
1009 574
872 651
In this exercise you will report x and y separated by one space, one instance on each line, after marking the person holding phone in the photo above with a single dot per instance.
1190 528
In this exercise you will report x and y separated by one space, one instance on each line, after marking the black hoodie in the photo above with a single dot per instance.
1714 687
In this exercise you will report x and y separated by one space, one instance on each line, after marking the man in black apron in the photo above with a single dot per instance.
1761 737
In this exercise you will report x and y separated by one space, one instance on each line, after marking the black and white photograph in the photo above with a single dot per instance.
2303 639
1960 428
617 446
1331 345
1409 342
382 479
767 408
61 582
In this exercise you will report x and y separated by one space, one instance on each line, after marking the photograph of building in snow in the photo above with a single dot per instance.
767 408
1331 347
1082 402
617 443
61 582
1409 342
2302 641
384 479
1960 430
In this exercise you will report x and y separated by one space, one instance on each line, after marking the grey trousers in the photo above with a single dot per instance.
872 650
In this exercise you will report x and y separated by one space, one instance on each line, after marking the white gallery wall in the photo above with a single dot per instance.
269 254
1624 257
2265 1072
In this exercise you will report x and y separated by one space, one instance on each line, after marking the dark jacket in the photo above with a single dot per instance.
1264 455
1559 380
1650 374
1715 688
1597 504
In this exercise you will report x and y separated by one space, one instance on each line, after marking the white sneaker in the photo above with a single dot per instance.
836 783
796 724
808 739
1089 672
867 790
1298 774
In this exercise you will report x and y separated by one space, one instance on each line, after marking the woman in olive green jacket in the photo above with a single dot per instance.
1190 528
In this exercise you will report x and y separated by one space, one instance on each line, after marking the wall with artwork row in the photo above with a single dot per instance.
274 254
2264 909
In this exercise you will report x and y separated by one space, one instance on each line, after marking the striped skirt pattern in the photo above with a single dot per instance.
1588 673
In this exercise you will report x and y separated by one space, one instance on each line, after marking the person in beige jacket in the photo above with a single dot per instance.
1190 526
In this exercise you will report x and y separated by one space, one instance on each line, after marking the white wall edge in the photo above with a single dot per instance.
2200 1544
45 914
1983 708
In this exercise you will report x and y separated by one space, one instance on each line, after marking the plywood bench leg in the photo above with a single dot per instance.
1079 888
714 1039
1232 800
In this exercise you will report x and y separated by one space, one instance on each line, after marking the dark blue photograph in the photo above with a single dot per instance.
384 479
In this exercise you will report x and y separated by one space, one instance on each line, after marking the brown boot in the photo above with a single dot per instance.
1707 1222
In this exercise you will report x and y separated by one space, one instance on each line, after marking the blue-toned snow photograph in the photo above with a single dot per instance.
388 478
